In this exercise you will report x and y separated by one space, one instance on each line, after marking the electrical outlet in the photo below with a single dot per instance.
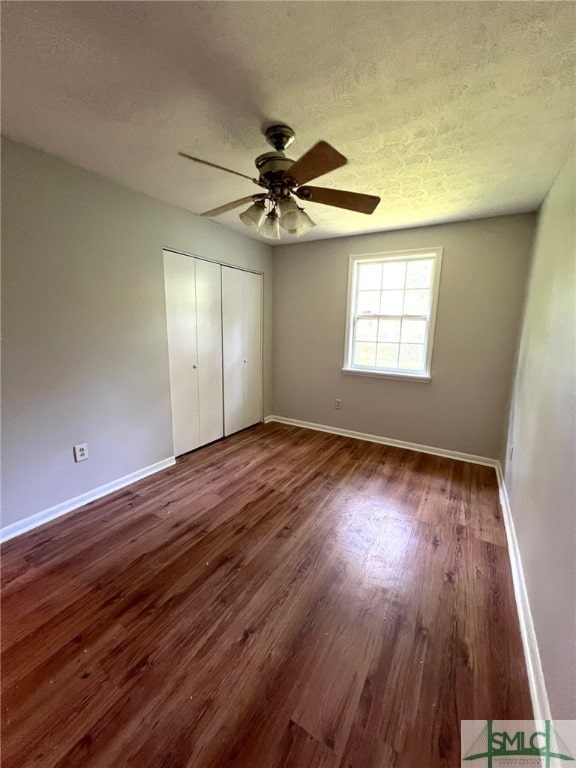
338 404
81 452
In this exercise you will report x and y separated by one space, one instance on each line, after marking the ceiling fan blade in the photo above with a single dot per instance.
213 165
320 159
230 206
353 201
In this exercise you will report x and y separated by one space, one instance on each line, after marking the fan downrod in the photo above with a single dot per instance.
279 136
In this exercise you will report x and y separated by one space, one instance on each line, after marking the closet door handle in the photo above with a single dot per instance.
194 366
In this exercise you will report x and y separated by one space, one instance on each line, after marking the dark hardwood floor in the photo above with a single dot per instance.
281 598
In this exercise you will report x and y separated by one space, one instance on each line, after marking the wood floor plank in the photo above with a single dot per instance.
298 748
283 598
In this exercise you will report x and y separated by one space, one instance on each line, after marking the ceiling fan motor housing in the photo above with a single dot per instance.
272 166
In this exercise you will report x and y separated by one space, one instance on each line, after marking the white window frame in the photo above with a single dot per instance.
423 375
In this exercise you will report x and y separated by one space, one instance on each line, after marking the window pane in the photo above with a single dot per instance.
419 274
369 277
417 302
392 302
394 274
364 354
411 357
388 330
387 356
368 302
366 329
413 331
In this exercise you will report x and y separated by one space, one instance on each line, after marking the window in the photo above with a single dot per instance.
391 309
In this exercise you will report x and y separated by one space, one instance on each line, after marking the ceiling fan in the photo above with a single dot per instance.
283 180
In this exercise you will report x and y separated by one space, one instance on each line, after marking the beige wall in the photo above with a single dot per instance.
464 407
540 476
84 329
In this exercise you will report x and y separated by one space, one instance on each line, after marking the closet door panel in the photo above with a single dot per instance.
209 340
233 349
252 348
179 283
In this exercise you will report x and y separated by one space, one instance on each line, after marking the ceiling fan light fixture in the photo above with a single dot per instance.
270 227
254 216
289 214
304 224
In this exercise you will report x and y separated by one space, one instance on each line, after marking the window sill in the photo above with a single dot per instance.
422 378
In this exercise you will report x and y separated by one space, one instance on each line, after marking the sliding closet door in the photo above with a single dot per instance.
233 348
194 320
241 348
209 343
180 287
253 348
214 317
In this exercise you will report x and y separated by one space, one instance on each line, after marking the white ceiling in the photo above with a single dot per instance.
447 110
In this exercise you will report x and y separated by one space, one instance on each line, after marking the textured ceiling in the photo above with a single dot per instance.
446 110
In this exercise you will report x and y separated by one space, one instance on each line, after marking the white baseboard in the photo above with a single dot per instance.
28 523
387 441
536 680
